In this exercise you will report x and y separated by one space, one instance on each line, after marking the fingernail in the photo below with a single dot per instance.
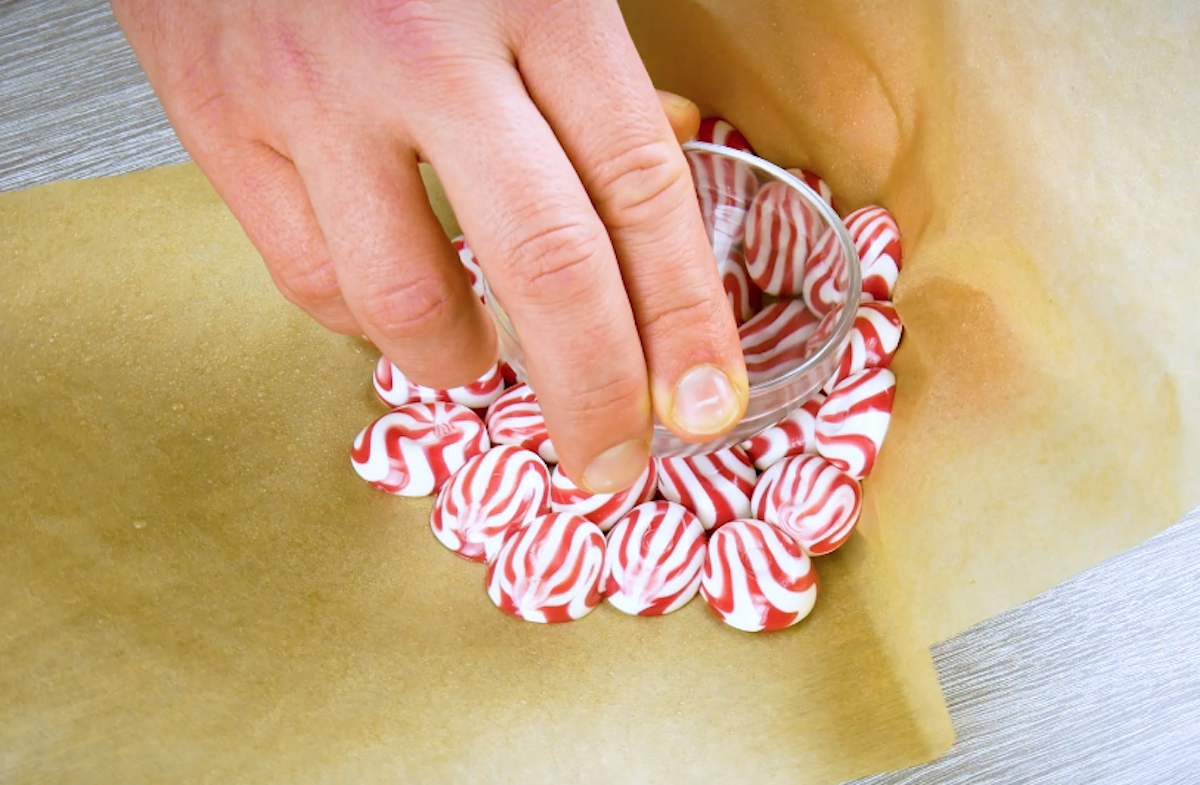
617 468
705 401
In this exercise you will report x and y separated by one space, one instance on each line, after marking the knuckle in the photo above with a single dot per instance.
641 183
610 401
413 309
417 32
684 319
553 261
314 284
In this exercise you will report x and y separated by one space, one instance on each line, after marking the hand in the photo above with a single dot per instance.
555 152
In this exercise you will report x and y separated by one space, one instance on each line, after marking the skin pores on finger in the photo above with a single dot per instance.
584 74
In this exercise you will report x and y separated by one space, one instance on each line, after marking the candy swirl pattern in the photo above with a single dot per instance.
744 297
491 493
756 578
776 339
603 509
470 264
414 449
877 240
725 188
717 487
795 434
873 340
714 130
516 418
549 570
781 229
653 558
853 421
394 389
811 500
825 275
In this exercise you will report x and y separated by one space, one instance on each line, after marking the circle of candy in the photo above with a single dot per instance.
652 559
873 340
825 275
470 264
714 130
516 418
776 339
549 569
795 434
757 578
414 449
744 297
781 229
603 509
810 499
717 487
725 188
877 240
853 420
491 493
394 389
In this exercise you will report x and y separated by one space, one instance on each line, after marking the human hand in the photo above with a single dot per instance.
555 152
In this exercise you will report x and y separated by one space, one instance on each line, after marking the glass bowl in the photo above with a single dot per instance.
727 181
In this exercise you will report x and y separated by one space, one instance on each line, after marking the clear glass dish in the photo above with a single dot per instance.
775 395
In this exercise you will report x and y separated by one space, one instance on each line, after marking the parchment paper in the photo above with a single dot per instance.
194 585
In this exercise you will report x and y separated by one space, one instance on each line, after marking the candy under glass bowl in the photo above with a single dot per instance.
786 388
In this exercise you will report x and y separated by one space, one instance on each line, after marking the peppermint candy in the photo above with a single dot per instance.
781 229
744 297
717 487
414 449
653 558
811 500
795 434
824 331
776 338
603 509
725 188
825 274
491 493
873 340
877 240
853 420
549 570
516 418
816 183
394 389
471 265
714 130
757 578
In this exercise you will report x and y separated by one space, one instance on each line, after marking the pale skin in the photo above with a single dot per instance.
559 157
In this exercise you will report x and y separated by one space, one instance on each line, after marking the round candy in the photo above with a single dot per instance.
810 499
744 297
725 188
414 449
516 418
825 274
824 330
603 509
877 240
471 264
716 487
491 493
815 183
394 389
653 558
873 340
549 570
854 419
781 229
757 578
714 130
793 435
776 338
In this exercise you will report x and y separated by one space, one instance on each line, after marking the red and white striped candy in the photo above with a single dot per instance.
653 558
816 183
873 340
877 240
714 130
826 276
716 487
824 331
414 449
854 419
516 418
781 229
725 188
471 264
744 297
603 509
812 500
776 339
757 578
491 493
549 570
795 434
394 388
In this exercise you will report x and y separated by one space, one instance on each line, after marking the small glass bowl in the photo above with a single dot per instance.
775 395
